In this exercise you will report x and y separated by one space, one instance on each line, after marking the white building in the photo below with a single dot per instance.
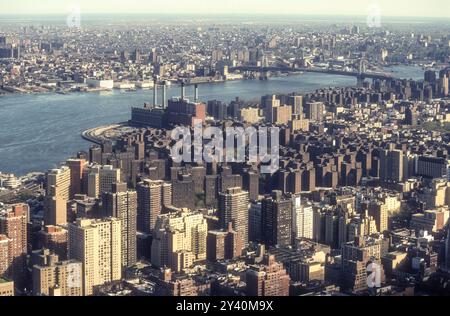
9 182
303 219
124 85
145 84
104 84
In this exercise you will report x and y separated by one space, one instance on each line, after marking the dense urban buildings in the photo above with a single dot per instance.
358 203
179 240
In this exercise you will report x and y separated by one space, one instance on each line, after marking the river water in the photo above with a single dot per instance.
38 131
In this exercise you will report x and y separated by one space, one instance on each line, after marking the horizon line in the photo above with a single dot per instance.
255 14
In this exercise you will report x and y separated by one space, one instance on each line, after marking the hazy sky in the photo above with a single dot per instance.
416 8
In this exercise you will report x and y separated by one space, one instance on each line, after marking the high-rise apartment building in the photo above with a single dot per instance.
282 115
250 115
355 258
61 179
431 167
6 258
179 239
108 176
277 220
76 167
153 197
269 278
314 111
55 207
254 222
97 244
13 224
391 165
52 277
223 244
92 180
270 103
302 219
183 192
122 204
379 211
100 179
233 208
296 101
59 191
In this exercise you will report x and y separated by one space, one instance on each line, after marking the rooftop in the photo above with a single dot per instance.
4 281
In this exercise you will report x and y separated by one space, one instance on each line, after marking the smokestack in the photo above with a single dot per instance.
183 91
196 93
155 93
164 95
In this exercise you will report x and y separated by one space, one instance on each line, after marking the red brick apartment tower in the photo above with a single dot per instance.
267 279
13 224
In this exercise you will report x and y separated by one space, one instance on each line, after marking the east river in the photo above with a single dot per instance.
38 131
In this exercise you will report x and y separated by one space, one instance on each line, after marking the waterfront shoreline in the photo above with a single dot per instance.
95 135
94 90
4 92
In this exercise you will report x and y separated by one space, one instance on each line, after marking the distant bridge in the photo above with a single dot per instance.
360 75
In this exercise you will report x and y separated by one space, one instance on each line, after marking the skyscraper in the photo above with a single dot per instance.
411 116
314 111
179 239
97 244
13 224
254 222
153 197
61 179
302 219
391 165
108 176
270 103
122 204
92 180
233 208
277 220
59 191
55 207
100 179
380 213
76 167
296 101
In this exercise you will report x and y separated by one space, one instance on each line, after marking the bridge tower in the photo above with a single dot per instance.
361 71
264 75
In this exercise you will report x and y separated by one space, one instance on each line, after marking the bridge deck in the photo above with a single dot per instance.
369 75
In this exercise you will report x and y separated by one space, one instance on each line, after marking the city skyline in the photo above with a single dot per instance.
431 9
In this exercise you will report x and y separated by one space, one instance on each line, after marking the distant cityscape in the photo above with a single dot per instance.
359 204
